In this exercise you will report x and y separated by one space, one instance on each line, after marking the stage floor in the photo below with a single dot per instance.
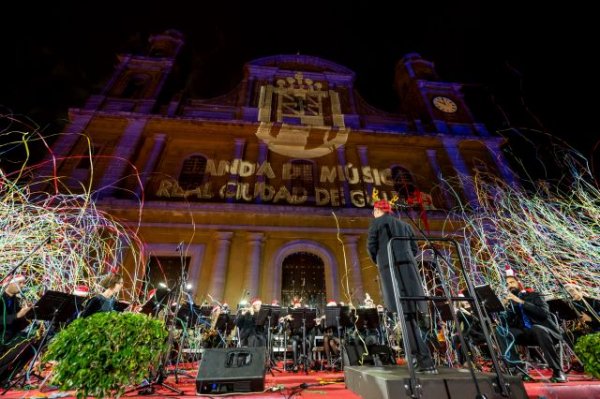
320 384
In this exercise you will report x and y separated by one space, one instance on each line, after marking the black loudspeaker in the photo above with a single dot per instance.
231 370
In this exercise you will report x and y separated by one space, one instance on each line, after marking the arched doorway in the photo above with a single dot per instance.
303 275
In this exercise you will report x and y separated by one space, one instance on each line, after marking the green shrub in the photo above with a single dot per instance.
103 353
588 350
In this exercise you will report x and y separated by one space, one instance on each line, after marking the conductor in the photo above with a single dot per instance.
383 227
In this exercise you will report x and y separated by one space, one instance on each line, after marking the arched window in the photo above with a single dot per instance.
303 275
404 184
303 178
192 172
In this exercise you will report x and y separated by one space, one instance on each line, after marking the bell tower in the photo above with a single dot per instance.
434 105
138 80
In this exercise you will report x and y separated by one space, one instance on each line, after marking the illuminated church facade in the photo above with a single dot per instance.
269 187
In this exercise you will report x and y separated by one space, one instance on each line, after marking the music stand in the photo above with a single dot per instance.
120 306
562 309
338 317
225 322
304 319
368 318
152 305
261 317
55 307
188 315
488 299
267 313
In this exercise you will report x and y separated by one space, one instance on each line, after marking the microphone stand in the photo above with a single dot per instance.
179 296
147 388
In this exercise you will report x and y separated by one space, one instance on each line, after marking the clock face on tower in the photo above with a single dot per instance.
444 104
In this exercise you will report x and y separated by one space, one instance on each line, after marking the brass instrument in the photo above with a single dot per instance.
214 317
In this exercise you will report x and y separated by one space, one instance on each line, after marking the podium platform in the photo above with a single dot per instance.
388 382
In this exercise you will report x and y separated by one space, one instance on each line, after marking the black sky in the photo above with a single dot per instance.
534 63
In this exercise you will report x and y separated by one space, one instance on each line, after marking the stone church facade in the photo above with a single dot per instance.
269 187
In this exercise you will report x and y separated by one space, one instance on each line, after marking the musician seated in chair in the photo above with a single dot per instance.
105 301
251 335
529 323
13 313
588 308
15 352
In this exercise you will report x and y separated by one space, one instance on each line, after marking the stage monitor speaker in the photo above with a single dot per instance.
231 370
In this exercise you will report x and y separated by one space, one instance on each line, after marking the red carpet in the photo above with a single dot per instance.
579 386
325 384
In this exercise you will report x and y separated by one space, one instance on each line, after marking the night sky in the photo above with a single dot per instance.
532 67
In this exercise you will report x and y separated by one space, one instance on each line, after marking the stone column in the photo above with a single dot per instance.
123 152
157 148
219 272
351 244
466 178
252 280
437 171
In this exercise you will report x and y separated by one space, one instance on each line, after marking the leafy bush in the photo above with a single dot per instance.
588 350
101 354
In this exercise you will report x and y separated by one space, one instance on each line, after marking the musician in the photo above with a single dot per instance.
251 335
371 336
589 308
15 348
81 291
105 301
296 302
529 323
13 313
368 303
383 227
225 308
